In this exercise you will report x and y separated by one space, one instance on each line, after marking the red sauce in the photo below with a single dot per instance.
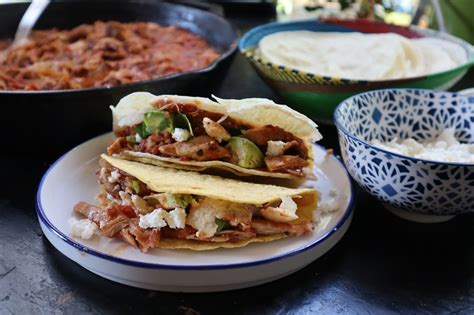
102 54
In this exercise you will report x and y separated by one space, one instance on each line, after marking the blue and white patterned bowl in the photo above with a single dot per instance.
416 189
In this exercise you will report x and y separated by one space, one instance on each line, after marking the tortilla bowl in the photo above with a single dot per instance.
317 96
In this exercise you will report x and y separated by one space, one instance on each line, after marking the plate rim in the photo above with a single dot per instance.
86 249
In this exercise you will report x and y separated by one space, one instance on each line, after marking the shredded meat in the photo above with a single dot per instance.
114 226
260 136
152 143
116 210
93 213
146 239
127 237
268 227
117 146
124 183
188 230
202 148
101 54
290 145
120 222
196 116
284 162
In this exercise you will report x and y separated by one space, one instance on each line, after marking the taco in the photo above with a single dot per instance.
246 137
149 206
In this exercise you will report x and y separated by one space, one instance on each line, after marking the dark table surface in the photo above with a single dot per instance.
382 265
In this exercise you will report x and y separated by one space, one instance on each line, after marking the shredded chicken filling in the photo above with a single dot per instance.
131 212
209 137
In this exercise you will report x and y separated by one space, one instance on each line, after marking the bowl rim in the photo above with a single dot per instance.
425 32
337 114
225 55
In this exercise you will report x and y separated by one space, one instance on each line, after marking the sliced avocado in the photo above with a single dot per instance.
181 121
171 201
157 120
136 186
131 139
245 153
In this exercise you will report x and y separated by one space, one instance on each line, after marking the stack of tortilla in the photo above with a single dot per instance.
359 56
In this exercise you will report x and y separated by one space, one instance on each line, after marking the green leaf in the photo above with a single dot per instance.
222 225
181 121
142 130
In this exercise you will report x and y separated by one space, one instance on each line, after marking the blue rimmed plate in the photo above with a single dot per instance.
72 179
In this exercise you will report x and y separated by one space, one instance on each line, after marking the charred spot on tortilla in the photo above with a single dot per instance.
233 135
149 207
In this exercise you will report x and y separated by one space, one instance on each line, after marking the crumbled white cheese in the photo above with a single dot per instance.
334 202
114 177
176 219
138 138
84 228
285 212
275 148
159 218
331 204
180 134
288 204
445 148
153 219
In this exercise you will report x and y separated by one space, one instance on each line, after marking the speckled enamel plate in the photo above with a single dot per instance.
72 179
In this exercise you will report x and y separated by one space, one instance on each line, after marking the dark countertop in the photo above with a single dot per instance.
382 265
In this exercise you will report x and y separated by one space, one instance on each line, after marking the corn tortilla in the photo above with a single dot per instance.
175 181
168 243
255 112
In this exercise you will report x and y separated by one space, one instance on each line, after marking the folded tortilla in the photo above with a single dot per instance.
243 206
252 112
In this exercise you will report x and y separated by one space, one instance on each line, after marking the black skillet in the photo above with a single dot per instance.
48 122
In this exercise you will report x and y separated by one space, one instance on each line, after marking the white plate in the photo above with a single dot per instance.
72 178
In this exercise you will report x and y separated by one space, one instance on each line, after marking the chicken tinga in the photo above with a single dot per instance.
153 207
246 137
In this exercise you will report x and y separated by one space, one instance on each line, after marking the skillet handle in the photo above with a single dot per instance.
206 6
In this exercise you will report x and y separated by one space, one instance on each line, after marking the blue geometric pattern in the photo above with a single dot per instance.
412 184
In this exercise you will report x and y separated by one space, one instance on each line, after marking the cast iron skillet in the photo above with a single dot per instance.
49 122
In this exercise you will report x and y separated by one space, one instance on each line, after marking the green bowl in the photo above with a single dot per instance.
317 96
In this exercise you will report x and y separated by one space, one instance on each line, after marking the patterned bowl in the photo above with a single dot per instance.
317 96
415 189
